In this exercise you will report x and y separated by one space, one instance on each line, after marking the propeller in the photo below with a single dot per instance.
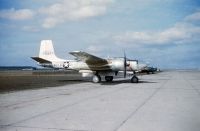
125 64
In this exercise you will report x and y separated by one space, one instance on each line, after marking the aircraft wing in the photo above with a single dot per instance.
88 58
40 60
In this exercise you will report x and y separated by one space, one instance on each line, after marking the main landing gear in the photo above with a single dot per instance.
108 78
96 78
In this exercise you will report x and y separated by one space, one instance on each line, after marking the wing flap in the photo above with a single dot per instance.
88 58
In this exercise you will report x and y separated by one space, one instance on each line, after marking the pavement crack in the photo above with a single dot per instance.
41 98
49 128
192 86
139 107
64 107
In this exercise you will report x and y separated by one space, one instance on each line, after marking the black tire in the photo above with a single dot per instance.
109 78
134 79
96 79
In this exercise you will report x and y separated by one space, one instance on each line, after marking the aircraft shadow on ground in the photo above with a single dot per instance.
71 81
123 81
114 82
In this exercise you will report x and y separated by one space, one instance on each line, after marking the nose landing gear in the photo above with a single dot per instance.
134 79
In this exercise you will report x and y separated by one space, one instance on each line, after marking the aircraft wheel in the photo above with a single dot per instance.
134 79
96 79
108 78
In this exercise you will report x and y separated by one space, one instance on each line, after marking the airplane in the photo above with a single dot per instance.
89 65
149 70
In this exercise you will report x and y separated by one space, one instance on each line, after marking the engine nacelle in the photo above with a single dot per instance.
132 65
117 64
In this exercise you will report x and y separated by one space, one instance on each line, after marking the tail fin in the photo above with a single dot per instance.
47 51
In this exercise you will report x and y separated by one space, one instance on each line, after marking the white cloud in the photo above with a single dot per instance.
21 14
67 10
59 12
193 17
180 33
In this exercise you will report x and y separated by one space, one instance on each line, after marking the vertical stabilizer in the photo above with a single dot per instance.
47 51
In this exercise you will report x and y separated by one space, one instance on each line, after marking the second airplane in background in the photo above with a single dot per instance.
89 65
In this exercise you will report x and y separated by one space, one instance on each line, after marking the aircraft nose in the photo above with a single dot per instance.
142 66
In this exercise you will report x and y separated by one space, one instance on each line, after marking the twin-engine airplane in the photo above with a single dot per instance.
89 65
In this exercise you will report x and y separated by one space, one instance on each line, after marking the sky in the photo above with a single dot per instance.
161 33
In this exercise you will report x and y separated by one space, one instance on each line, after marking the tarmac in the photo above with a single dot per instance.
167 101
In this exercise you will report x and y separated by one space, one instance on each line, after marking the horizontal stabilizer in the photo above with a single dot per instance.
40 60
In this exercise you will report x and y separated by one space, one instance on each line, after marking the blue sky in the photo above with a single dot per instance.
164 33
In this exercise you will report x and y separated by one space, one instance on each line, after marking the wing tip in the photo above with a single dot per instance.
74 52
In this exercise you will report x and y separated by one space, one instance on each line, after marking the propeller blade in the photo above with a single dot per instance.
125 64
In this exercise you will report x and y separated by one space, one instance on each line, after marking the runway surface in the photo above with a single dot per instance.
167 101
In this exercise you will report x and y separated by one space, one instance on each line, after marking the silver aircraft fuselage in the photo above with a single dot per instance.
114 64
